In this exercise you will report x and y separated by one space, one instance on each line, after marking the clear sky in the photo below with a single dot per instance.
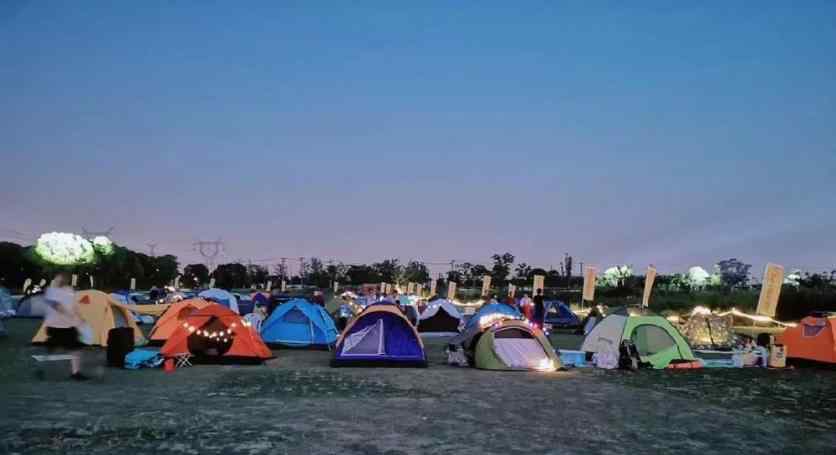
669 133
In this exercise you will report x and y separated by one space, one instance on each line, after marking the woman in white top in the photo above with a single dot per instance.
62 319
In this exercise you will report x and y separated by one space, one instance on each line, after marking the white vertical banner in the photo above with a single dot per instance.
539 283
269 286
419 290
512 291
486 285
74 280
92 286
388 288
133 284
773 278
433 287
451 290
649 278
177 282
589 278
336 286
26 284
212 282
284 286
383 287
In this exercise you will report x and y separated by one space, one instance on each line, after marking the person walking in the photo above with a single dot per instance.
539 309
62 321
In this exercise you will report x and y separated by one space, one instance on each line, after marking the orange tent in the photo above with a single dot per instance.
102 313
813 339
173 318
216 333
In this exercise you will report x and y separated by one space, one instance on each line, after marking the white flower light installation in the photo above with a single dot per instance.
62 248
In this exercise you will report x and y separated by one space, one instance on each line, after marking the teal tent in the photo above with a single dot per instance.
299 323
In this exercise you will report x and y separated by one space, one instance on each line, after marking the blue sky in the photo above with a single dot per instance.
654 133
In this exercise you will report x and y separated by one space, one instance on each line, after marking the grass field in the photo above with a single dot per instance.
297 404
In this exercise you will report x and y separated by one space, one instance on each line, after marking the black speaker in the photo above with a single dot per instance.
120 341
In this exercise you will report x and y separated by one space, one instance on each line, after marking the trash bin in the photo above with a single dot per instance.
120 341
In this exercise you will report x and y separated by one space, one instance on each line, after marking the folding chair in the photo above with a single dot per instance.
183 359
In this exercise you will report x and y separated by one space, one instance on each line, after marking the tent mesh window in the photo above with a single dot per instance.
812 330
295 316
650 339
512 333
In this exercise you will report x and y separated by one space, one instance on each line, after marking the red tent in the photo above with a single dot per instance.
216 333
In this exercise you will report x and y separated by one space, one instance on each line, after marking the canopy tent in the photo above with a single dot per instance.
558 314
813 339
514 345
215 334
708 331
102 313
440 316
32 306
173 318
492 311
658 342
299 323
380 336
220 296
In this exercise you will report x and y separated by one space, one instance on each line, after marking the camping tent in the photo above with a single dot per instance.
813 339
245 303
708 331
7 303
299 323
514 345
102 313
173 318
380 336
492 311
216 334
32 306
558 314
658 342
220 296
440 316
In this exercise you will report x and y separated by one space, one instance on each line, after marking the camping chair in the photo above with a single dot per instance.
183 359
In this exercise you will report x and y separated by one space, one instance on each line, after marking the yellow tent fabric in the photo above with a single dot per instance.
102 313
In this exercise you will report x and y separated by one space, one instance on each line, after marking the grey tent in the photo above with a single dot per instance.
32 306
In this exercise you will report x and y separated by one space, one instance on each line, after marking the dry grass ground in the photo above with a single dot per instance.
297 404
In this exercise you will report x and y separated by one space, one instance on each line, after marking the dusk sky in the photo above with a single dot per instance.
666 133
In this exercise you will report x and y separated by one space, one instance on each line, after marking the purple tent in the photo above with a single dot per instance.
380 336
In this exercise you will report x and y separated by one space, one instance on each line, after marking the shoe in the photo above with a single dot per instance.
78 377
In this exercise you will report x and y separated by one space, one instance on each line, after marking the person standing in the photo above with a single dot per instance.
525 306
62 320
539 309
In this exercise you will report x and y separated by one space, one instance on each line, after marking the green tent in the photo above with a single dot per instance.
658 342
514 345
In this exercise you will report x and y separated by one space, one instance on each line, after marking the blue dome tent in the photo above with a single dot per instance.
299 323
220 296
558 314
486 311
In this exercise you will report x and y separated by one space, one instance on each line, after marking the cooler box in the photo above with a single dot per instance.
572 358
